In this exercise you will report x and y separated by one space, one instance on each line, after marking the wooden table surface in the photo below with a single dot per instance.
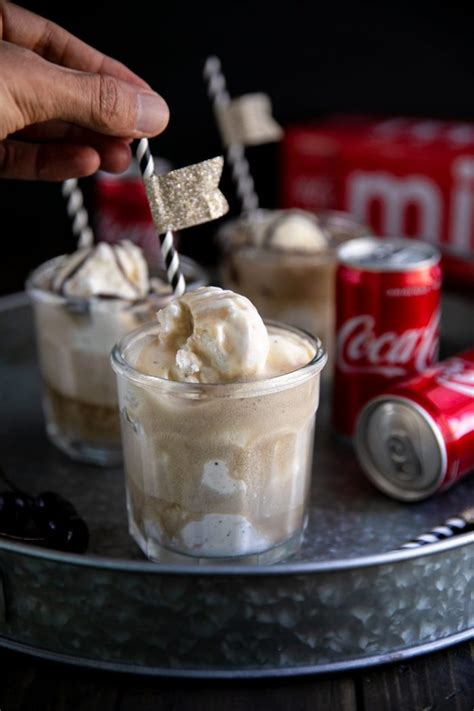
443 681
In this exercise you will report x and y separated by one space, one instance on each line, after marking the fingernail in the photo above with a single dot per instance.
152 114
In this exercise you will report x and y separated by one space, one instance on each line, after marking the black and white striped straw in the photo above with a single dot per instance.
452 527
168 250
216 87
78 213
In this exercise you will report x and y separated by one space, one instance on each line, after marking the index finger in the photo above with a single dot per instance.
46 38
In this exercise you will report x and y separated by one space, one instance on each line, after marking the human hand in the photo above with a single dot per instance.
66 109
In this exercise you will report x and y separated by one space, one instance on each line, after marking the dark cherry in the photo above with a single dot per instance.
49 505
46 520
14 513
67 534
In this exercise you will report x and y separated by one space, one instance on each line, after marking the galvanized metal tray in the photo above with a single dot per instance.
346 600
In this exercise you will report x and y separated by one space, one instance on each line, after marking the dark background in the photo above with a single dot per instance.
312 58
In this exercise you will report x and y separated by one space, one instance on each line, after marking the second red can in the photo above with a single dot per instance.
387 319
418 436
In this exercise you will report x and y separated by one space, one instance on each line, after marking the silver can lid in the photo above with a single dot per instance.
400 448
390 254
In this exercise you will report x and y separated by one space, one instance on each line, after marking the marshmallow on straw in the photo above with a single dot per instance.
170 255
78 213
243 121
452 527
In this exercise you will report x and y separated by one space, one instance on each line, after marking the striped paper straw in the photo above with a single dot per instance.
78 213
452 527
216 87
168 250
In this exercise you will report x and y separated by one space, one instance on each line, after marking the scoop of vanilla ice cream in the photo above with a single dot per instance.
208 336
216 336
117 270
295 230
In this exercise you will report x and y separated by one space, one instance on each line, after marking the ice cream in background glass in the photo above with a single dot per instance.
217 411
284 261
83 304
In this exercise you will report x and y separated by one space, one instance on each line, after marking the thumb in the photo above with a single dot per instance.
99 102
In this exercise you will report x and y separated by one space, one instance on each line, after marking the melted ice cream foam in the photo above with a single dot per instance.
216 336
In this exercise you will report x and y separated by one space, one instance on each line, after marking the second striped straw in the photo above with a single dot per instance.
220 98
78 213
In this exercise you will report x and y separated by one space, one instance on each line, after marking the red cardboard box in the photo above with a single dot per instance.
402 176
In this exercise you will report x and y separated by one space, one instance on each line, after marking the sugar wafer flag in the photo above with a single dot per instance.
248 120
186 197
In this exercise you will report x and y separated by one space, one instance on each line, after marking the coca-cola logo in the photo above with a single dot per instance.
360 350
458 375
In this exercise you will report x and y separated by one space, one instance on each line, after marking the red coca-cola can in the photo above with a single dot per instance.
122 210
387 319
418 436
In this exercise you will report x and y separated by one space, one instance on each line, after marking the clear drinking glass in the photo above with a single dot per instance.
74 339
217 471
294 287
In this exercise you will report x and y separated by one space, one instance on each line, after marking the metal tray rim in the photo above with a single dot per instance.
272 672
122 564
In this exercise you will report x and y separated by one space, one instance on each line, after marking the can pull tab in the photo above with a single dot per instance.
403 456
